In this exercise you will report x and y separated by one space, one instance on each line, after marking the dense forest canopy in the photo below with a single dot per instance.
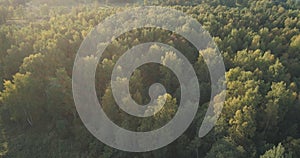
259 41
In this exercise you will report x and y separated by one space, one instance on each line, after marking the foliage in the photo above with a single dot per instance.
259 41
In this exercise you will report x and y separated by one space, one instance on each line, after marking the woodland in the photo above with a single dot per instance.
259 41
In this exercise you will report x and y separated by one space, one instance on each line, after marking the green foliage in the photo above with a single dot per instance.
259 41
224 148
275 152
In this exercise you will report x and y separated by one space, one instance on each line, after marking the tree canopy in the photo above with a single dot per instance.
259 41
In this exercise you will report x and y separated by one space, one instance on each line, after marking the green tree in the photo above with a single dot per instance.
275 152
224 148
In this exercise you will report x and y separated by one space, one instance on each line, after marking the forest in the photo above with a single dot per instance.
259 41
